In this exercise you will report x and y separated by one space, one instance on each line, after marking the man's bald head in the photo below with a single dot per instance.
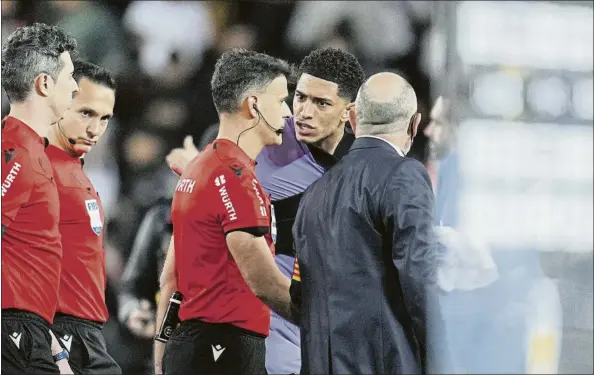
385 104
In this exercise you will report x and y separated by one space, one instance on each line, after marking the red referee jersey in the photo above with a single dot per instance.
82 284
218 193
31 249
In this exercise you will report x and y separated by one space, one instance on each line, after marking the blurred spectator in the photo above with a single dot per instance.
383 30
269 19
152 21
95 27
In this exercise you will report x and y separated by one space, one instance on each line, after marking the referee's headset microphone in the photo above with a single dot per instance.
70 140
260 117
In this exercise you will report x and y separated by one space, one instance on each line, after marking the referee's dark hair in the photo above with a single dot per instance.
94 73
335 65
239 71
31 51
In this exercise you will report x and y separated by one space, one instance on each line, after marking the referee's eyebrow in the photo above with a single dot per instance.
94 113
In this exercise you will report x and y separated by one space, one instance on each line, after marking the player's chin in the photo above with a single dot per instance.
307 139
277 140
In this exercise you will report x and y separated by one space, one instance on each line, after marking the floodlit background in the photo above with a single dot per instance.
519 79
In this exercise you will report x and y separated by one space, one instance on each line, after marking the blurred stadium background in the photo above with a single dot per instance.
519 75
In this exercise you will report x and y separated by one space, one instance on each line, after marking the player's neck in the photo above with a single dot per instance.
30 113
330 143
249 141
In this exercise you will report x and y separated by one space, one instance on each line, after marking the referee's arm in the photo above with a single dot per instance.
168 284
245 233
256 264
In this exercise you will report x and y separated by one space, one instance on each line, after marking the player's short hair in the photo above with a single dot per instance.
239 72
335 65
94 73
30 51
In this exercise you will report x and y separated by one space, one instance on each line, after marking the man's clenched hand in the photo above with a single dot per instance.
178 158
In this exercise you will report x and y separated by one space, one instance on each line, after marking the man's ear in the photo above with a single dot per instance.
415 124
250 106
352 114
44 84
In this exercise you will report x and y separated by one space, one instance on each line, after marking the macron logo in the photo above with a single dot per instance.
16 339
217 350
67 341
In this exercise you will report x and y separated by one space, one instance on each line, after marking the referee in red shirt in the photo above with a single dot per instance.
82 311
223 259
37 77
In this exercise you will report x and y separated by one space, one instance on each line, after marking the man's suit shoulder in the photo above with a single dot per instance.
411 170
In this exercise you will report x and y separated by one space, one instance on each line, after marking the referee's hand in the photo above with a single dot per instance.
178 158
141 321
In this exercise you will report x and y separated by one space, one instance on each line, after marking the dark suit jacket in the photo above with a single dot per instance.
140 279
367 252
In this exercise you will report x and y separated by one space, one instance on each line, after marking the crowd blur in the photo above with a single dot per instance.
163 55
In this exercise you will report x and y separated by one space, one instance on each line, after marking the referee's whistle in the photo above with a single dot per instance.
171 318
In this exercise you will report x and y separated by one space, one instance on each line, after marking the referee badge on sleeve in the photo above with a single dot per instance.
93 210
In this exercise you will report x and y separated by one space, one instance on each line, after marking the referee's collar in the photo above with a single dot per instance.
57 154
227 149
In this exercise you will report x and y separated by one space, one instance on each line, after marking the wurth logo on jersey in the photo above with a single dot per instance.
185 186
220 181
12 175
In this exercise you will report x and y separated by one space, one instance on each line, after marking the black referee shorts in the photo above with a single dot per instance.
85 343
197 347
26 344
